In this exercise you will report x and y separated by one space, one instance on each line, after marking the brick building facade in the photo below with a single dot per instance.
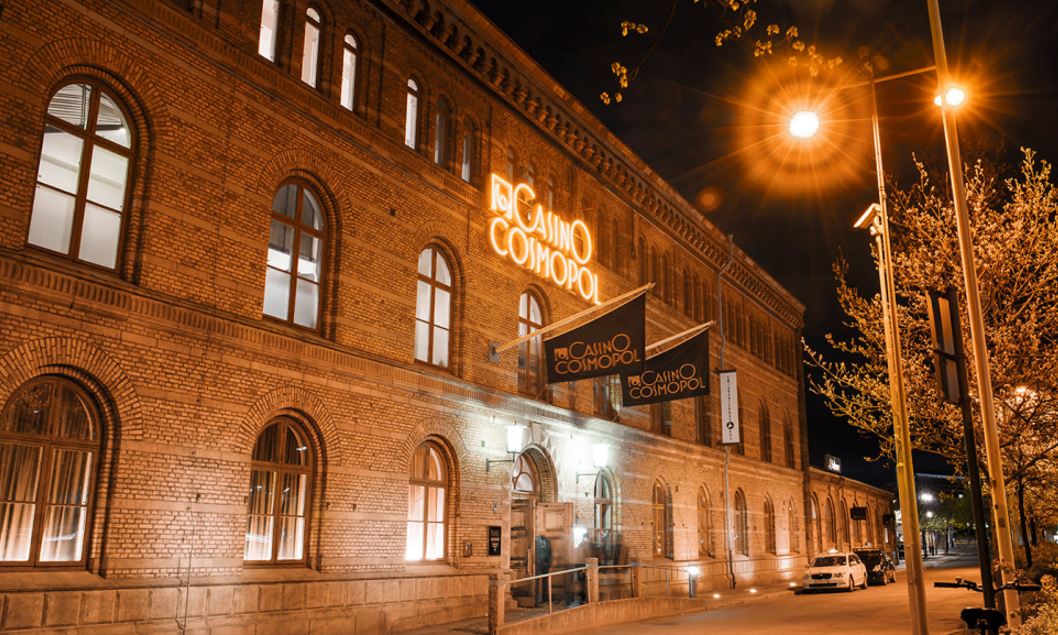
248 305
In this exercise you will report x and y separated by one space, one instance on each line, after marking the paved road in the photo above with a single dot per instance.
876 610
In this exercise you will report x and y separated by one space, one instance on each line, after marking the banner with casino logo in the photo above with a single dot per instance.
678 373
610 344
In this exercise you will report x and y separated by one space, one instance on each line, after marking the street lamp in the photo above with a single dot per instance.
876 219
997 483
804 124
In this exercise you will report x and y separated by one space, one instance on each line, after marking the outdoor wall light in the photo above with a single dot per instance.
692 581
600 459
515 443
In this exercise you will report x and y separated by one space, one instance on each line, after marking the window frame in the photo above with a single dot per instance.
539 388
444 484
468 159
279 469
315 22
604 507
274 45
764 430
661 521
442 137
350 87
742 537
89 141
435 285
705 524
771 539
48 444
299 227
412 121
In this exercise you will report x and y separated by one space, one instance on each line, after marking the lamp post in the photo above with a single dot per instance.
997 483
804 124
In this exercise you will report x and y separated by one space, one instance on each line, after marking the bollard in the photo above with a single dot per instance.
592 575
496 603
637 581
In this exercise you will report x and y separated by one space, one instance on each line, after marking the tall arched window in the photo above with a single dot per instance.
843 523
549 189
770 542
83 175
310 54
279 497
427 504
817 525
49 444
606 395
266 42
741 524
705 524
468 170
662 521
530 353
788 442
793 535
604 512
411 115
511 166
433 308
350 50
295 257
828 520
765 433
442 150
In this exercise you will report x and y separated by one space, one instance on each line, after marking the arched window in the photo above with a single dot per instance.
765 433
427 504
310 54
350 50
295 257
433 308
616 245
524 478
530 353
266 42
49 444
662 521
705 524
857 530
788 442
549 188
82 179
843 523
411 115
828 519
869 522
741 524
468 170
442 123
703 416
661 417
604 512
817 525
280 496
770 542
793 535
644 262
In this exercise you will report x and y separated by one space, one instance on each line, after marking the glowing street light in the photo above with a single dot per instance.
954 96
804 124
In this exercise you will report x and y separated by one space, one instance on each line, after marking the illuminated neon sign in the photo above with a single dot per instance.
539 241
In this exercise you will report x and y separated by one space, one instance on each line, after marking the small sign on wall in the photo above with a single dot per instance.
495 540
729 424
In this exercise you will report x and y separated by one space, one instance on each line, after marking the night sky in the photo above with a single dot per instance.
709 121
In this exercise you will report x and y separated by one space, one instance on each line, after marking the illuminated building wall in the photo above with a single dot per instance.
248 305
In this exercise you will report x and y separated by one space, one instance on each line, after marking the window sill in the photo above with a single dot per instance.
66 580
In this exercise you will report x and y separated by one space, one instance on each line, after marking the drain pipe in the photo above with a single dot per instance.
728 511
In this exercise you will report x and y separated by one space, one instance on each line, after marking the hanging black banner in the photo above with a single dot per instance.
610 344
678 373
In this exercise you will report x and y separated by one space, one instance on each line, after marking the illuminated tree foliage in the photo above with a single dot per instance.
740 22
1015 236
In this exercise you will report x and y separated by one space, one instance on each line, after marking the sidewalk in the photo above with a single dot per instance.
728 597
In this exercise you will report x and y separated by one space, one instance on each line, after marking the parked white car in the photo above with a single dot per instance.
836 570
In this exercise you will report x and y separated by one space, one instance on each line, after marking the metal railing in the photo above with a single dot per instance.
573 588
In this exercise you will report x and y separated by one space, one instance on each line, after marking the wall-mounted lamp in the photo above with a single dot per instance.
600 459
515 443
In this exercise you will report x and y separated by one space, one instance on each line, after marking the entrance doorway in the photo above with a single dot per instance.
540 528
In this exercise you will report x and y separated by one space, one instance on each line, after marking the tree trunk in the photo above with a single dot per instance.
1034 531
1024 523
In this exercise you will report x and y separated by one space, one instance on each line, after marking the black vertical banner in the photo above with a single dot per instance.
610 344
678 373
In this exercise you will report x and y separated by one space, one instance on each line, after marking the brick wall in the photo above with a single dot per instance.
185 372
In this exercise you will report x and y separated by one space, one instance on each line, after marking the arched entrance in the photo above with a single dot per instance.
540 527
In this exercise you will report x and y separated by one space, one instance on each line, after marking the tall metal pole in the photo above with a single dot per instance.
729 521
997 483
905 470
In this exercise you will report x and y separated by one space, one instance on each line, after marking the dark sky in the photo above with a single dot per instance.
705 119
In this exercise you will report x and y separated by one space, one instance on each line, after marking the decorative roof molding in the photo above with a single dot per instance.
470 39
